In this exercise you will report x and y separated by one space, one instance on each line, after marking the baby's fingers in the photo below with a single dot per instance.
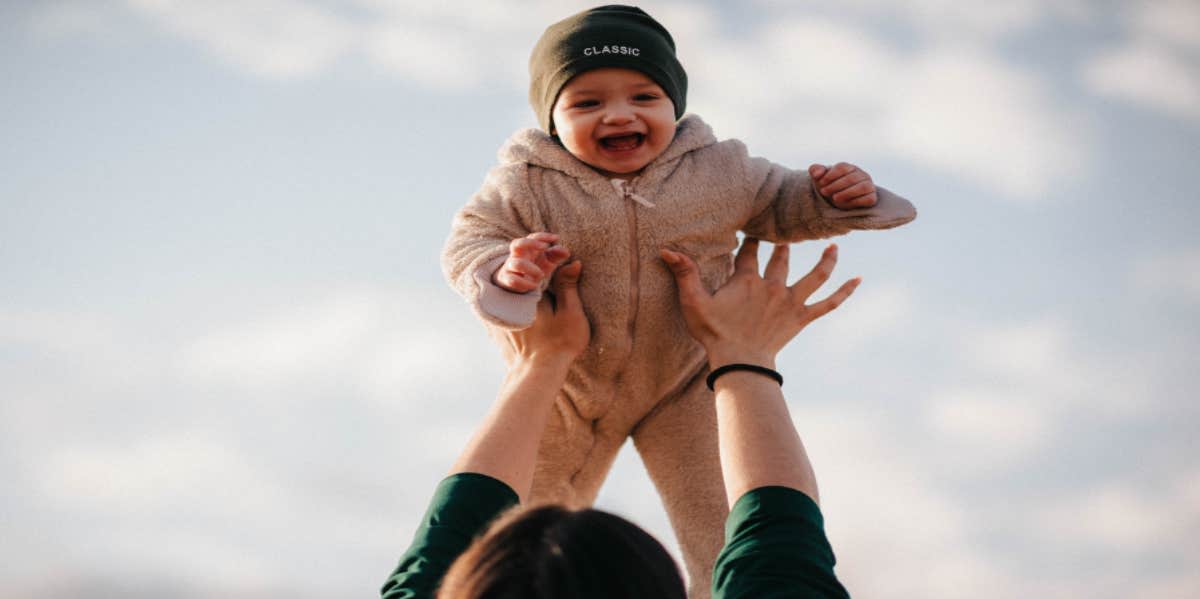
542 236
515 282
552 257
526 269
846 182
853 195
866 200
838 171
526 247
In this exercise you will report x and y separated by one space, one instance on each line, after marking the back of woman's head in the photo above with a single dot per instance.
551 552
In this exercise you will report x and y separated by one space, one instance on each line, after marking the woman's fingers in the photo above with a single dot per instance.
747 257
816 277
687 277
777 265
831 303
566 286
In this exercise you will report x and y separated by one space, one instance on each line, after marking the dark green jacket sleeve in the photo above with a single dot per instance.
775 547
462 507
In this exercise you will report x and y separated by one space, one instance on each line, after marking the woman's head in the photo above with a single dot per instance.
552 552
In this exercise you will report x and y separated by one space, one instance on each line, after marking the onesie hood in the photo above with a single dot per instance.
536 147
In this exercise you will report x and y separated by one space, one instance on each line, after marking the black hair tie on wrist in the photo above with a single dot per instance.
716 373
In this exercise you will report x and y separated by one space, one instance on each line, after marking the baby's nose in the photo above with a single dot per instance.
618 115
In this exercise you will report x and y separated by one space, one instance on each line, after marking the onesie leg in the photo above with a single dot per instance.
678 445
574 457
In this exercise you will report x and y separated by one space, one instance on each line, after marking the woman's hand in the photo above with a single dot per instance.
505 444
560 331
752 317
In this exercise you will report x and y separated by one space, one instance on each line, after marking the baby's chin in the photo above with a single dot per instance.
624 171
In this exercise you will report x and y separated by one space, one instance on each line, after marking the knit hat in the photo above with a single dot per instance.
605 36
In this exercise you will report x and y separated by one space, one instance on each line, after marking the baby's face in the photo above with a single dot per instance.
615 120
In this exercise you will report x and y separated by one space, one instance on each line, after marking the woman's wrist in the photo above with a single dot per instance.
547 361
721 356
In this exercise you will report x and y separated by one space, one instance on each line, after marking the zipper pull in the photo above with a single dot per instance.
623 188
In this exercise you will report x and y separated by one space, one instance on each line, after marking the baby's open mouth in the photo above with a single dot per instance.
627 141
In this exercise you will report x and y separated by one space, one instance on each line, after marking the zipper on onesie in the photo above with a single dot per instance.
625 188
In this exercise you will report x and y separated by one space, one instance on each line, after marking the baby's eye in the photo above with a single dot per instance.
646 97
585 104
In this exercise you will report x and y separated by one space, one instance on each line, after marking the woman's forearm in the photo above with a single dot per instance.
759 445
505 444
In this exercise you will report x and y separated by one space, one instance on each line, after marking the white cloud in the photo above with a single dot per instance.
1124 519
890 524
1022 385
1174 21
159 474
297 344
55 331
849 95
1158 66
89 346
281 39
192 506
1024 349
1003 427
874 312
976 21
1148 74
976 117
69 19
382 343
446 46
1173 275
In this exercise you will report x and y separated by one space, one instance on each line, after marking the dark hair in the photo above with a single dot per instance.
552 552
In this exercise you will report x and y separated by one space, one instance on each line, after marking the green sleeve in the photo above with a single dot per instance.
775 547
462 507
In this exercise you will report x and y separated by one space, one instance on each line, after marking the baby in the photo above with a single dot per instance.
615 174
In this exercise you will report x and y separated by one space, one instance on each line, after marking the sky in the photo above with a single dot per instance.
230 366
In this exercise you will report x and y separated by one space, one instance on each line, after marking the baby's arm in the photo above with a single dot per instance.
795 205
479 245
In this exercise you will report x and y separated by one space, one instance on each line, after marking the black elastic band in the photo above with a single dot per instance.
712 376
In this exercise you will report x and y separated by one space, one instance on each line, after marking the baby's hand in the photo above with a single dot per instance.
531 260
846 185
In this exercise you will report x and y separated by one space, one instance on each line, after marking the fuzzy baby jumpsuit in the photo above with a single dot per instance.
642 376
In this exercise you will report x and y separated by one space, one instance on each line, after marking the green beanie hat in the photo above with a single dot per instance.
606 36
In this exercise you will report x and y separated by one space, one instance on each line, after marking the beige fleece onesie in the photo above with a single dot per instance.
642 376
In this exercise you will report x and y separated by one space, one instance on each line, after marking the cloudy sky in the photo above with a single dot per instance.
229 366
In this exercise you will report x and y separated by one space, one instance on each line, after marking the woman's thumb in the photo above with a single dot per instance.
566 283
686 276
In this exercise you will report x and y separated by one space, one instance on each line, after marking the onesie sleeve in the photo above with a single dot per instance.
501 211
787 207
